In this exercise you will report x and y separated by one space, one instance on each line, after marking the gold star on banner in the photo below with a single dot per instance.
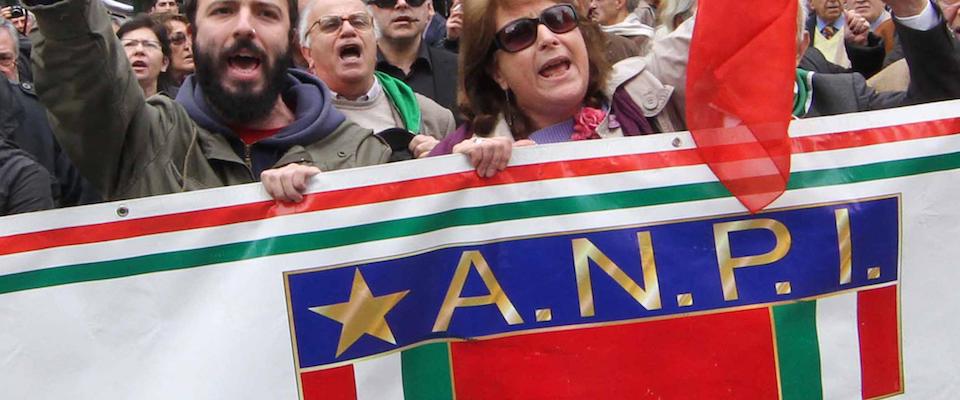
363 313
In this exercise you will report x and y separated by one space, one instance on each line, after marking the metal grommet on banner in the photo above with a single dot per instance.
676 142
123 211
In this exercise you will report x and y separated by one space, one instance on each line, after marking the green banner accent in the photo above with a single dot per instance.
460 217
798 351
426 372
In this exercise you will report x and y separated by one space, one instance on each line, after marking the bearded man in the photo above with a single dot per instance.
244 115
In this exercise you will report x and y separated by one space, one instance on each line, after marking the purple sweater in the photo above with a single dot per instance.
556 133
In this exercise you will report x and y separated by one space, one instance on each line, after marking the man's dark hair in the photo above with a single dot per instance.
190 9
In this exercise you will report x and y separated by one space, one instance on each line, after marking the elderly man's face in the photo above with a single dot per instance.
342 46
604 11
8 56
403 21
869 9
827 10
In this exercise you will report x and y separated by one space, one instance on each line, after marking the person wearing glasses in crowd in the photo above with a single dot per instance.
20 18
181 50
534 71
244 116
31 130
9 52
404 54
145 42
339 45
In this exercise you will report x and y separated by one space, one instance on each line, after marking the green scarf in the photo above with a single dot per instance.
801 99
403 100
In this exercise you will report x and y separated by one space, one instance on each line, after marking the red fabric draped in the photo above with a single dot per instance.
740 94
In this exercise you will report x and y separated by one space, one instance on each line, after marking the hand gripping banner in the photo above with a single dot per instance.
613 269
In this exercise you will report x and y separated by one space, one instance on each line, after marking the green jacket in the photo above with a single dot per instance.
130 147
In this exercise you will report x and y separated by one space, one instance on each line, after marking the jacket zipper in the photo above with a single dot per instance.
246 158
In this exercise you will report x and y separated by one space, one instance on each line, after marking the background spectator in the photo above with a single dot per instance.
404 54
145 42
181 49
672 13
164 6
9 52
617 17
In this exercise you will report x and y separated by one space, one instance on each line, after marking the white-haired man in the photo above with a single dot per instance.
337 40
617 17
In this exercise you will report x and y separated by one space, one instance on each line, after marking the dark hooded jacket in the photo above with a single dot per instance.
24 184
34 135
130 147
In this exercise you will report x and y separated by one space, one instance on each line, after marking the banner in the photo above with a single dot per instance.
616 268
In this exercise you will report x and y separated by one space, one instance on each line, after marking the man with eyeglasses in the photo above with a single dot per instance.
404 54
339 45
8 51
244 116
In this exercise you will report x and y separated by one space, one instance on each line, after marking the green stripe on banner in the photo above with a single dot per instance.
426 372
460 217
798 351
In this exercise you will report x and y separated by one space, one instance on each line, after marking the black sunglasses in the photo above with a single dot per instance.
393 3
521 33
178 39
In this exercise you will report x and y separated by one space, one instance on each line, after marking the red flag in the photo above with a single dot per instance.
740 94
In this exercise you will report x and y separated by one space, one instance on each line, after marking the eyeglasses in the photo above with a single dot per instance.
7 59
522 33
332 23
178 39
393 3
146 43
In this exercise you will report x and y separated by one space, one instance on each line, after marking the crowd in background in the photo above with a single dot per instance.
213 93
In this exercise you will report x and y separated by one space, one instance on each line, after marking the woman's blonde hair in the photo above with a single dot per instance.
480 98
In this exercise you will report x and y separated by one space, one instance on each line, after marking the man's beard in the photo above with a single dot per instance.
246 105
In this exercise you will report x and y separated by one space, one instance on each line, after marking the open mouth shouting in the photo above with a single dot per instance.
555 67
139 66
350 52
244 61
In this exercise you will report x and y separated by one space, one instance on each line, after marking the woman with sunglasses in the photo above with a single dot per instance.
181 52
535 72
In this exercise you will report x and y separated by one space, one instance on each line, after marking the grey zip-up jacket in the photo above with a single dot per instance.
130 147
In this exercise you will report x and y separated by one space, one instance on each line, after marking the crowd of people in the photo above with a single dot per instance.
210 93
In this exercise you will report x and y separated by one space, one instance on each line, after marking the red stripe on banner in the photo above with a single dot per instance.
329 384
336 199
718 356
439 184
879 325
868 137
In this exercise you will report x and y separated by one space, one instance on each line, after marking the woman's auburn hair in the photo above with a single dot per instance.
480 98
